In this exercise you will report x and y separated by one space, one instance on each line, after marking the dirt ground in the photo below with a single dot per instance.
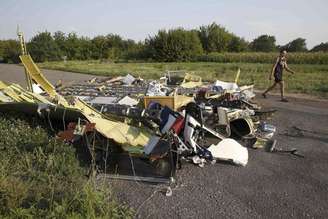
270 186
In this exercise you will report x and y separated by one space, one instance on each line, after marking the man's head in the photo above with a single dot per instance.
283 53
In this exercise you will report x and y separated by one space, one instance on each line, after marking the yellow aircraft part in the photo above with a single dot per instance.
86 109
181 101
17 94
237 76
37 76
191 81
191 84
118 131
12 94
3 85
4 98
188 77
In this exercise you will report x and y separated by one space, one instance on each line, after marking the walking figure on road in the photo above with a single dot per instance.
277 72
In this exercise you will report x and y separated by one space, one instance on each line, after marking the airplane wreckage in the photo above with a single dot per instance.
145 130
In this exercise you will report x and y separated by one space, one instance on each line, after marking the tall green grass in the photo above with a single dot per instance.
261 57
42 178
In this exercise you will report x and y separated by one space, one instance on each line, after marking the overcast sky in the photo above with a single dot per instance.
137 19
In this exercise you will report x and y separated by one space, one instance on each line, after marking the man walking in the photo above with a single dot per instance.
277 72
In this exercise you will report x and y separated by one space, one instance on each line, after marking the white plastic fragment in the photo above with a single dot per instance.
128 101
36 89
226 85
128 79
230 150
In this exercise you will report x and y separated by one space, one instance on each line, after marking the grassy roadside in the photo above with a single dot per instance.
42 178
309 79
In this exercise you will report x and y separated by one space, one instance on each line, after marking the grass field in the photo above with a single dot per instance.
41 177
309 79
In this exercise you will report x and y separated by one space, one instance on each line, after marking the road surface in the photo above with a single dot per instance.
270 186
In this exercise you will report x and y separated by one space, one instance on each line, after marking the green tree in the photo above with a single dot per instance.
11 51
135 51
110 46
73 46
98 47
43 47
215 38
60 40
297 45
322 47
237 44
174 45
2 46
264 43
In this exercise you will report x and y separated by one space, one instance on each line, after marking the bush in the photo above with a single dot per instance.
264 43
10 51
41 177
174 45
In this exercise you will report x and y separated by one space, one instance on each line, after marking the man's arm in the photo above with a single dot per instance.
273 68
288 69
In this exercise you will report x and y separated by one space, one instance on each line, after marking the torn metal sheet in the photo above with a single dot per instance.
128 79
36 75
118 131
16 93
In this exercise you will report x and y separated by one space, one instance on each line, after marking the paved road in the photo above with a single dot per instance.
15 74
270 186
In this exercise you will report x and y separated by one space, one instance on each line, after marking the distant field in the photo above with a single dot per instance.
309 79
265 57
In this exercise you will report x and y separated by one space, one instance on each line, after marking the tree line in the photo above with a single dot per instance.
166 46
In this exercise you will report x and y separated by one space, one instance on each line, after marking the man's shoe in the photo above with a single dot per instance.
264 95
284 100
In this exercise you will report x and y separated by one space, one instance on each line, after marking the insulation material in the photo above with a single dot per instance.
230 150
128 101
36 89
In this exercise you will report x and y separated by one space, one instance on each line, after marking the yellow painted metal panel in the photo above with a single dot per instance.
35 73
191 81
237 76
118 131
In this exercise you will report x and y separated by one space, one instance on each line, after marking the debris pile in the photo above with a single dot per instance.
145 130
